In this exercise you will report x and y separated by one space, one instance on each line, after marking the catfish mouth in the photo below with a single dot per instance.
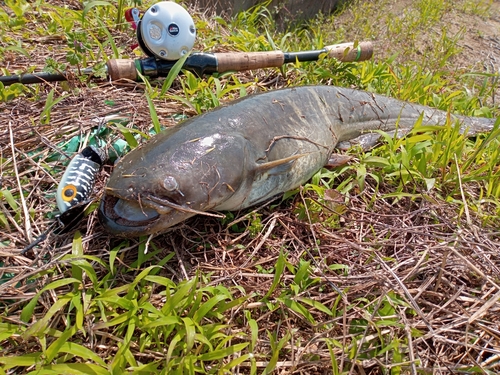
150 214
126 213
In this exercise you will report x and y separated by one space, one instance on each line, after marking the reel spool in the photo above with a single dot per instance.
166 31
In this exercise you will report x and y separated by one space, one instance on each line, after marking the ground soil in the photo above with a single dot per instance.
478 41
452 278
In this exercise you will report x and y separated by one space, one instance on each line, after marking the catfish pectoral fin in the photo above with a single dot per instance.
279 166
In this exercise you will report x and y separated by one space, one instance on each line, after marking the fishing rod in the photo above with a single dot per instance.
209 63
202 63
166 32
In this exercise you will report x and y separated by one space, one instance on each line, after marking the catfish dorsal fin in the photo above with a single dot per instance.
279 166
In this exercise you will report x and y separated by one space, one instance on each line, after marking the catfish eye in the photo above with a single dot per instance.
170 183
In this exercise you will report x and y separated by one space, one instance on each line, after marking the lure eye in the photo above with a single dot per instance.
170 183
69 193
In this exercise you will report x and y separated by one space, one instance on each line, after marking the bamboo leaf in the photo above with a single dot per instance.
53 350
27 311
236 362
222 353
25 360
165 321
173 73
299 309
77 251
71 369
254 331
189 325
207 307
178 296
152 113
93 4
316 304
280 266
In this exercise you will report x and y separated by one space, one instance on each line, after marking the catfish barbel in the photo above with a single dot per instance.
242 154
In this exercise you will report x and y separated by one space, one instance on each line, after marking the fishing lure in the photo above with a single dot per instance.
78 180
74 191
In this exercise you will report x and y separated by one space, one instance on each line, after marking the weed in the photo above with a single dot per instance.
186 302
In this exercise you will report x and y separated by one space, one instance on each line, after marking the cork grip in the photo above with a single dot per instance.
122 68
248 60
346 52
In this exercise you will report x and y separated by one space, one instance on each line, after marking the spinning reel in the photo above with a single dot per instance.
165 31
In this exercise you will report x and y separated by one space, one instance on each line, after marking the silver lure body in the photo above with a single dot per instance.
246 152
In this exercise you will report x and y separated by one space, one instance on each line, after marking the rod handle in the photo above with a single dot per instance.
122 69
248 60
346 52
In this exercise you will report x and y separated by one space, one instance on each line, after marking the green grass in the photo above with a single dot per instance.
118 307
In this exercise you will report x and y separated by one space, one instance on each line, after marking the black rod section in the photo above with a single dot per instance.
291 57
32 78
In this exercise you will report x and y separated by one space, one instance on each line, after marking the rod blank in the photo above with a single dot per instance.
208 63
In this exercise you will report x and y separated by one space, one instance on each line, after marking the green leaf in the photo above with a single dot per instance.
153 114
110 39
10 199
301 273
143 274
172 346
164 321
41 326
50 102
77 251
178 296
126 132
122 318
223 307
222 353
7 330
254 331
71 369
113 255
333 358
78 307
189 325
160 280
316 304
236 362
280 266
299 309
173 73
276 349
207 307
376 161
83 265
17 49
93 4
150 368
54 349
25 360
27 311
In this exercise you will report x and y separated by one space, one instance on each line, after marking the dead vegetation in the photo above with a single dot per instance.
413 273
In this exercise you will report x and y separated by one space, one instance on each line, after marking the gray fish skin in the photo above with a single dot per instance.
244 153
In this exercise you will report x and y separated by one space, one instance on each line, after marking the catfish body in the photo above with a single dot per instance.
244 153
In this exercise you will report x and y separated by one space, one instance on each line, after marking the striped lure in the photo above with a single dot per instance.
74 191
78 180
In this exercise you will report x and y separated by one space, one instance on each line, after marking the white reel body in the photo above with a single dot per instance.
166 31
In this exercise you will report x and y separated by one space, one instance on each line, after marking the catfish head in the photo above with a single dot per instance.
173 177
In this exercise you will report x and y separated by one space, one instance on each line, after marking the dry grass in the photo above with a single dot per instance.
438 272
